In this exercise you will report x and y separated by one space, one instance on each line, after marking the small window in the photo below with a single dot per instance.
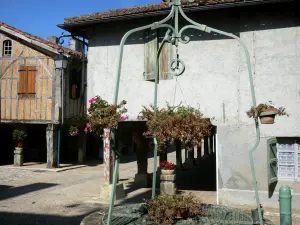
27 80
7 48
75 83
288 158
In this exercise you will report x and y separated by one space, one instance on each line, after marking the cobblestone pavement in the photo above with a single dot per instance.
7 175
47 198
29 197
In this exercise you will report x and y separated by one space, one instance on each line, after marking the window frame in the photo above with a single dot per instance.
3 48
296 163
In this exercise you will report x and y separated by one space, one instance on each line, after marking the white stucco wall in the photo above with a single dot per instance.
216 75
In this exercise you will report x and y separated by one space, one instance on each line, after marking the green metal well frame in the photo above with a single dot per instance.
175 36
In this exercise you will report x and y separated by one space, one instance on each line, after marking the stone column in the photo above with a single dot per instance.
190 161
51 139
211 144
178 154
206 146
108 161
141 178
81 146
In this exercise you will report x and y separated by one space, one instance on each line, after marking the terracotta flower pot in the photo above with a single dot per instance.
168 172
267 116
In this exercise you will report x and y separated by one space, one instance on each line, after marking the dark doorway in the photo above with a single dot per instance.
35 147
7 147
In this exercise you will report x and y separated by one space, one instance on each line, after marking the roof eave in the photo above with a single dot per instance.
77 24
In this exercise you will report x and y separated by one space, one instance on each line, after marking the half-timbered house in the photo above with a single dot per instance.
35 94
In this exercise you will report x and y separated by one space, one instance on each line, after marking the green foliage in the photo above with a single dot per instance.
19 135
73 130
176 123
262 107
164 209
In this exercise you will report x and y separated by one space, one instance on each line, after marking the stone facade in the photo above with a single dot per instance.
216 78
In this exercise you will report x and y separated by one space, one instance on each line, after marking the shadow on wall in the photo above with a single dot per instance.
233 20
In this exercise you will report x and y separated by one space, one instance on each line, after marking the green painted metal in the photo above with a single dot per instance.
285 205
176 37
272 161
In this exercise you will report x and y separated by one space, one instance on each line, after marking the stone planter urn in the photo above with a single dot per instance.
167 172
18 156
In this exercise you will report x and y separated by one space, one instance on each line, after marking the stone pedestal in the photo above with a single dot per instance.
18 157
167 184
106 190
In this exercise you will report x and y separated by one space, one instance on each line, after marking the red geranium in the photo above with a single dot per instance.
167 165
20 144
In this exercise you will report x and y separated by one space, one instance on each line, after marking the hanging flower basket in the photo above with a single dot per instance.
266 112
74 131
267 116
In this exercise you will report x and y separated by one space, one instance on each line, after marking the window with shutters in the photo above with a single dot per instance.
7 48
288 155
27 80
151 45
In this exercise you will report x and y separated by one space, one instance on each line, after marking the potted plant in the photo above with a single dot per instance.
19 136
183 123
73 130
266 112
167 168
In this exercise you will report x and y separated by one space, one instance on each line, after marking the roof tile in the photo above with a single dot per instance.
41 40
140 9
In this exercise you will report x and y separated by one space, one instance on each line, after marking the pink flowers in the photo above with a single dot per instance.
123 118
95 99
86 129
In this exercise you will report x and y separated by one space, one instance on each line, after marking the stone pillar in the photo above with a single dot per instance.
141 178
167 184
81 145
206 146
108 161
190 161
199 151
211 144
178 154
51 139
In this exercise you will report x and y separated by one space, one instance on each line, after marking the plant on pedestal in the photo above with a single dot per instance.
167 168
18 136
266 112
